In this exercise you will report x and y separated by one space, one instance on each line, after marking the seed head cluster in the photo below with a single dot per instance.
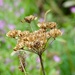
35 41
47 25
29 18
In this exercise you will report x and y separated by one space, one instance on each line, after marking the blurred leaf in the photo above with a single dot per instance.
69 3
61 40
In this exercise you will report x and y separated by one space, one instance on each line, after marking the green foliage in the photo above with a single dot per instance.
63 46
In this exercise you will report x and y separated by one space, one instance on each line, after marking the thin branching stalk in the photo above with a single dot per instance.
46 15
46 44
22 66
33 51
41 62
31 28
52 41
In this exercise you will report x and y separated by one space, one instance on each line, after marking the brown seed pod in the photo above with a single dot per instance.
13 33
55 32
30 18
37 44
51 25
21 69
42 25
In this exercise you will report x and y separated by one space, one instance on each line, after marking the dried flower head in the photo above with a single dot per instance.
47 25
55 32
13 33
30 18
51 25
42 25
24 34
34 41
19 45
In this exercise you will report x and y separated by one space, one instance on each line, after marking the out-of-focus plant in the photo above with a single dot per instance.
12 11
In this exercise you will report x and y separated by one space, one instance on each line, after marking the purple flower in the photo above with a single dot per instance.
2 24
16 3
37 60
31 68
2 39
11 26
22 10
7 61
58 72
12 68
9 46
17 14
72 9
63 30
41 20
56 58
10 9
1 2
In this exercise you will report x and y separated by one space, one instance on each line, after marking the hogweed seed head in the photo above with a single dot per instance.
47 25
13 33
55 32
51 25
34 41
30 18
42 25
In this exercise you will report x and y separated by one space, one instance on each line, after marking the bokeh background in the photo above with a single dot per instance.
59 58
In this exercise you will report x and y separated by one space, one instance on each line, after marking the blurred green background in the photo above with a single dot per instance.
59 58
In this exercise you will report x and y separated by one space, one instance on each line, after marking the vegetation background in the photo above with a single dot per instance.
59 58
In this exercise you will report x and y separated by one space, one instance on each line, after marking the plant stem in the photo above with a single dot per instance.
46 15
23 67
31 28
41 62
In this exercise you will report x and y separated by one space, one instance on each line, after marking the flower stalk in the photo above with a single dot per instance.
23 67
41 63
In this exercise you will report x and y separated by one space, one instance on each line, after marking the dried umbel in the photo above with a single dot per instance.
34 41
13 33
29 18
47 25
55 32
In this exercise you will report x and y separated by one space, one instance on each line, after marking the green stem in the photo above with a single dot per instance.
41 62
31 28
46 15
